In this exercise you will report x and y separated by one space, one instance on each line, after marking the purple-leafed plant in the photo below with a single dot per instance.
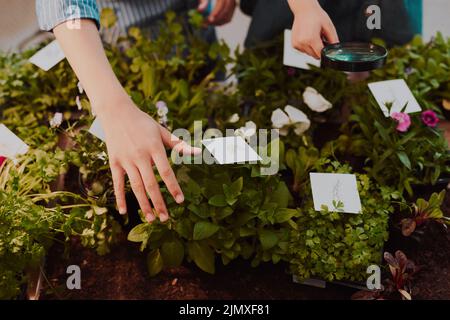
402 271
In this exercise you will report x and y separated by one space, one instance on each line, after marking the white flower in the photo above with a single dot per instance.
78 102
279 119
234 118
162 109
56 120
290 117
102 156
163 120
315 101
246 132
80 87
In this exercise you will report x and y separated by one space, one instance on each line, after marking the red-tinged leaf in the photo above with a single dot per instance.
390 260
411 267
402 260
393 271
405 294
408 226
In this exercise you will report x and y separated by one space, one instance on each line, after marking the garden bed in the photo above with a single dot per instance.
122 274
240 234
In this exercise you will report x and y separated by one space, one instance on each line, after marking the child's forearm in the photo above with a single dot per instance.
84 51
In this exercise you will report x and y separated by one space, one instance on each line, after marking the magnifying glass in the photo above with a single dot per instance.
353 56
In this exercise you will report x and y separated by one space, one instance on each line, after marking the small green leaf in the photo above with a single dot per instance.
204 229
202 255
268 239
281 195
108 18
154 262
404 159
184 228
149 83
233 191
218 201
172 252
140 233
285 214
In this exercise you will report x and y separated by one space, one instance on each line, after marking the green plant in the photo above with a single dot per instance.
300 163
424 66
332 245
416 157
230 213
31 221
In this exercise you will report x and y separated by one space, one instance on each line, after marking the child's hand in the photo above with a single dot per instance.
311 23
221 13
135 143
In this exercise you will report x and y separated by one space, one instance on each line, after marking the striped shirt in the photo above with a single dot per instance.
141 13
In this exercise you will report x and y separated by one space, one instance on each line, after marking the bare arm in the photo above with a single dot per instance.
134 140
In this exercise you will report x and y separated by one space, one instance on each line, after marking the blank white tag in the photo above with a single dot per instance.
49 56
11 145
230 150
330 189
294 58
396 92
97 130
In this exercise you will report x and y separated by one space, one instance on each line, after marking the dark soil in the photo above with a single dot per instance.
123 275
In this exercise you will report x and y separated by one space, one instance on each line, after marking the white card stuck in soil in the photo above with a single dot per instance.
294 58
97 130
230 150
11 145
48 57
396 92
337 191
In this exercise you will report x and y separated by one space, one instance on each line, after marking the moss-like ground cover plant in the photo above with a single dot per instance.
333 245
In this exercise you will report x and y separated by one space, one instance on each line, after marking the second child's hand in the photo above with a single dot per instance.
134 140
221 14
311 25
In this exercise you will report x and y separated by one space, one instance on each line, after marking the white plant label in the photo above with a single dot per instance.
11 145
97 130
49 56
228 150
337 191
396 92
294 58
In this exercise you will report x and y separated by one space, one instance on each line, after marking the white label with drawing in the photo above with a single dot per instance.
337 191
396 92
11 145
294 58
230 150
49 56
